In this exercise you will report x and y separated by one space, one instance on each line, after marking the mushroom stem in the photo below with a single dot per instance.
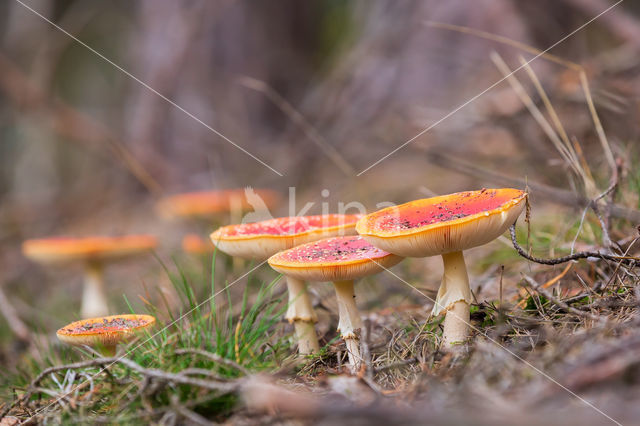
94 301
307 339
300 312
108 351
456 323
350 322
454 298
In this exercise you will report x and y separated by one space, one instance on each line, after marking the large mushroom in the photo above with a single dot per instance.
446 225
93 252
105 333
260 240
340 260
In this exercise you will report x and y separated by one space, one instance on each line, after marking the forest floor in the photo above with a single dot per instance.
550 344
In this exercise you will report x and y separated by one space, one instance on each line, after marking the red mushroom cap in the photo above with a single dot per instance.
105 331
263 239
443 224
333 259
60 249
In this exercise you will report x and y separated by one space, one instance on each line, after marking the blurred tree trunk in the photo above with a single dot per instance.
159 49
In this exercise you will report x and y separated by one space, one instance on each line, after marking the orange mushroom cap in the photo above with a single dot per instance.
105 331
60 249
207 203
443 224
333 259
260 240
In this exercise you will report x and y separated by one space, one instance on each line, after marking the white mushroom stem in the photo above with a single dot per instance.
350 322
300 312
94 300
455 324
454 298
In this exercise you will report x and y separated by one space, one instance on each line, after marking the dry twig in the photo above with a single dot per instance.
580 255
148 373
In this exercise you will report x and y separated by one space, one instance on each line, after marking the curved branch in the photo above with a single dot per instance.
558 260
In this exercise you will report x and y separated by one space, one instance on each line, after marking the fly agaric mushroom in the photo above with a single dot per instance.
94 252
105 333
260 240
207 207
208 204
445 225
340 260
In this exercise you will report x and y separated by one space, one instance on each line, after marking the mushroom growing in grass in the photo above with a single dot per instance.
93 252
260 240
105 333
446 225
340 260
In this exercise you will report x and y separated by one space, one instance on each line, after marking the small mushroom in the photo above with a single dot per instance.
105 333
340 260
260 240
94 252
446 225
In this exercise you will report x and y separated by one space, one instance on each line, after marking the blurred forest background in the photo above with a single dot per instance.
318 90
